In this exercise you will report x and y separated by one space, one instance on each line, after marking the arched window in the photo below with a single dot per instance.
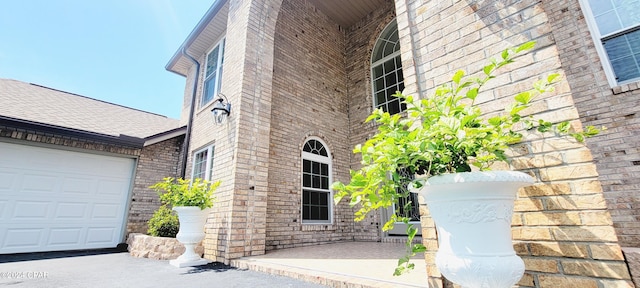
316 178
386 71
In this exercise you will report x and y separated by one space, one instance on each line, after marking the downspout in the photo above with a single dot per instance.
187 137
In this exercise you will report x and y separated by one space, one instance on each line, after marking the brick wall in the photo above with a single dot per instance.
561 227
617 151
155 162
309 99
360 40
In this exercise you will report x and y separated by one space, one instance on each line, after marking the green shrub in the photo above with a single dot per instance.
181 192
164 223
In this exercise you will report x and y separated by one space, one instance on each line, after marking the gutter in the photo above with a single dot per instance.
187 137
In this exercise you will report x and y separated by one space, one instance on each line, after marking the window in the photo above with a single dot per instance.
203 164
316 176
615 26
386 71
213 73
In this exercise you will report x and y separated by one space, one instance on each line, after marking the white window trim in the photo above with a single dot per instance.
218 83
210 158
380 62
321 159
597 41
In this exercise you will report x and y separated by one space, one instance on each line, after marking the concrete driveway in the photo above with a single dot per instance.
119 269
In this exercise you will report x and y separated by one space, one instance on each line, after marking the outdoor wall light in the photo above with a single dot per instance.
221 109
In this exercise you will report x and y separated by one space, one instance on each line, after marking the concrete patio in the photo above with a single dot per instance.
344 264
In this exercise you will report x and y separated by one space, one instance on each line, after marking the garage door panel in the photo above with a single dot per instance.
61 200
76 186
66 211
7 180
110 186
65 236
23 238
105 211
100 235
39 182
30 210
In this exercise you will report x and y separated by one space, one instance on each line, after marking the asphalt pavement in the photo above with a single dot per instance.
119 269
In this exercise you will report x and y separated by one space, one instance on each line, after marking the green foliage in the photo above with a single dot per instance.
180 192
443 133
164 223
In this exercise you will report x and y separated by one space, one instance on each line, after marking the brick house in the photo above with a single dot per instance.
303 75
75 171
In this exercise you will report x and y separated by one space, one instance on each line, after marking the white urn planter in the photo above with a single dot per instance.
472 212
191 232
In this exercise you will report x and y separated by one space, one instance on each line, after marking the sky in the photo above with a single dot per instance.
112 50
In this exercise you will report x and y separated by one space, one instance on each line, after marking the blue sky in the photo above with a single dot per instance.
112 50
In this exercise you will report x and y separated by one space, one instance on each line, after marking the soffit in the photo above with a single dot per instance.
346 13
211 27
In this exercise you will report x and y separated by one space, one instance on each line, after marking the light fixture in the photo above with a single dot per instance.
221 109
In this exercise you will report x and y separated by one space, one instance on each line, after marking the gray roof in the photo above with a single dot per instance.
43 105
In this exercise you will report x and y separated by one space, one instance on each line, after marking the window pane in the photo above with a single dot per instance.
325 183
210 176
377 71
209 90
379 84
306 180
306 212
390 91
323 199
599 6
324 213
381 97
306 197
324 169
390 79
621 51
316 168
306 166
212 62
389 66
394 106
316 181
608 22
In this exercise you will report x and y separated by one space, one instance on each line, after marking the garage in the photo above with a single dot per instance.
55 200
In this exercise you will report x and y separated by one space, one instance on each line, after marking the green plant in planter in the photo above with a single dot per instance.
443 133
181 192
164 223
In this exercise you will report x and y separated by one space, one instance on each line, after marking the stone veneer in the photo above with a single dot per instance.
159 248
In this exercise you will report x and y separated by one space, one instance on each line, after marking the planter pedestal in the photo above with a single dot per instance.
191 232
472 212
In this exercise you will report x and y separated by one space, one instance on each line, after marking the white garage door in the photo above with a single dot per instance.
60 200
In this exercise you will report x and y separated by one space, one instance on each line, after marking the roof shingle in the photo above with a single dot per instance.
45 105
